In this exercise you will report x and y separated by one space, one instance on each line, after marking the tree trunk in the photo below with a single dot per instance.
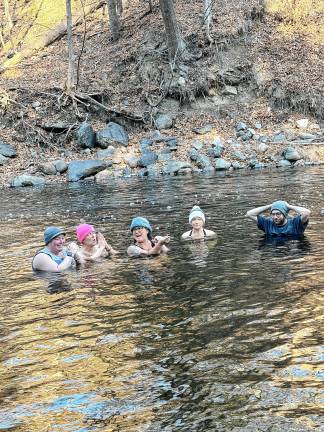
208 4
113 19
176 45
70 85
7 14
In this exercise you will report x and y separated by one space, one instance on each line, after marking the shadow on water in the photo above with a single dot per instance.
219 335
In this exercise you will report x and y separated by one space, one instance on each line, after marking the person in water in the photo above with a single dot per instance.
94 246
54 257
279 224
197 221
144 245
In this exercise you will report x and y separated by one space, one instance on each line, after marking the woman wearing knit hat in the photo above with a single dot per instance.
197 221
94 246
54 257
144 245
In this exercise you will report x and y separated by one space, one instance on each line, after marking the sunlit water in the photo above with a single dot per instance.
219 336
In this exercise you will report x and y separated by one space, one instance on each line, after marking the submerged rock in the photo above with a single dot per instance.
26 180
81 169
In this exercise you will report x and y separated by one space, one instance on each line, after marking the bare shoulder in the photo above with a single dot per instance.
210 233
43 262
133 251
186 235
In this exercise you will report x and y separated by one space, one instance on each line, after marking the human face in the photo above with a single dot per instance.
140 234
278 218
90 239
197 223
56 245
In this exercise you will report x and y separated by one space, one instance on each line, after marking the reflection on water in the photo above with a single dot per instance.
222 335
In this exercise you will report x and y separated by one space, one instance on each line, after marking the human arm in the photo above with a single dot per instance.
135 251
108 248
304 212
254 213
43 262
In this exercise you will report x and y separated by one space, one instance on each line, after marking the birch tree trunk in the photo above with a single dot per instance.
70 84
176 45
113 19
208 5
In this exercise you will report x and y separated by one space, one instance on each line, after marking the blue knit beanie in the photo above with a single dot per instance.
51 232
140 222
280 206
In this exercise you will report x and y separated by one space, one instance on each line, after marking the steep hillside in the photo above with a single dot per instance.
265 63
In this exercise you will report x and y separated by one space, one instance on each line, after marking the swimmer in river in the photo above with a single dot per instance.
94 246
279 224
144 245
197 221
54 257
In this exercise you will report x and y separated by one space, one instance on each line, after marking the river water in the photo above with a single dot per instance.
216 336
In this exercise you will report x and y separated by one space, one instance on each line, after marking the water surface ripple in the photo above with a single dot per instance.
218 336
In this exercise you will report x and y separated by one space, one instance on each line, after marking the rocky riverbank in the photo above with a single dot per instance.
111 152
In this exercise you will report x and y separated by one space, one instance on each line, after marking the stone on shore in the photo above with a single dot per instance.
26 180
291 154
131 160
147 159
47 168
173 167
163 121
81 169
104 177
106 153
283 163
7 150
222 164
4 160
112 134
60 165
85 135
203 130
302 123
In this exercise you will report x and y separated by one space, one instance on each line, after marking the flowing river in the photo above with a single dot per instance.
216 336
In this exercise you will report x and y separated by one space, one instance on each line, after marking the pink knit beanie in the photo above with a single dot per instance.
83 230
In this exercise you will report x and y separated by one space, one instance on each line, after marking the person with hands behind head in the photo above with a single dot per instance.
94 246
144 245
197 221
279 224
54 257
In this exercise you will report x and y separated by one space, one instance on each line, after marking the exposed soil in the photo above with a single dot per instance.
275 64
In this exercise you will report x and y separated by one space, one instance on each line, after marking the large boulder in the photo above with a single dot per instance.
85 135
7 150
81 169
113 134
26 180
